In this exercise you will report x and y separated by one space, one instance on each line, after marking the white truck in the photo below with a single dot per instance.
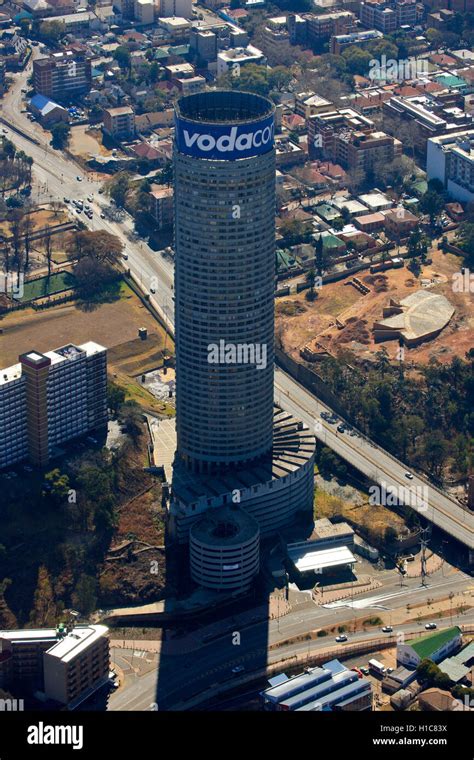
376 667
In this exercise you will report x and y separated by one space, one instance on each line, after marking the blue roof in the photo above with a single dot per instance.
43 104
39 101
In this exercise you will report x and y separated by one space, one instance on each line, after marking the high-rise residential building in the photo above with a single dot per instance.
428 116
346 137
204 42
388 16
48 399
450 158
144 11
181 8
63 76
235 454
66 664
324 25
119 122
162 206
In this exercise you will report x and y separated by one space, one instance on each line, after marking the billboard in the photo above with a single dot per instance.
224 141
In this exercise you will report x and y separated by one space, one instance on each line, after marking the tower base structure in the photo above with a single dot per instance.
272 492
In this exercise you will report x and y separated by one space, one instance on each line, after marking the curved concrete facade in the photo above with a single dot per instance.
225 550
224 281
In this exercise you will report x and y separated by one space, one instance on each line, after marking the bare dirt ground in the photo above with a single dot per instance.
317 320
85 142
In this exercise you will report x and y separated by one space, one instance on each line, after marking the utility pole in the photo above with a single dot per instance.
424 543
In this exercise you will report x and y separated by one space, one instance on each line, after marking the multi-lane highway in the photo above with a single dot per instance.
59 175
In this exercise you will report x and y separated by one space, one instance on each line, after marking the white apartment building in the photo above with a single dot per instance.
450 158
48 399
66 663
144 11
228 60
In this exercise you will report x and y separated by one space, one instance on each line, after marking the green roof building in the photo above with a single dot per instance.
434 646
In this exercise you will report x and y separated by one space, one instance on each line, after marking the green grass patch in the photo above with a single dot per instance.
47 286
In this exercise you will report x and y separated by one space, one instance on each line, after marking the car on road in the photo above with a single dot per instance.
238 669
325 415
387 629
102 216
125 256
430 626
79 178
409 475
152 290
90 198
341 428
101 190
364 670
341 638
66 200
78 210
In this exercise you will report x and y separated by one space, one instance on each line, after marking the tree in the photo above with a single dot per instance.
357 60
279 78
59 483
44 610
432 203
465 241
115 397
84 596
118 188
48 249
122 56
8 620
60 133
52 31
99 245
311 280
131 418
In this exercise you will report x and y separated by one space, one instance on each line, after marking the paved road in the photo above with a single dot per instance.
60 176
376 463
182 672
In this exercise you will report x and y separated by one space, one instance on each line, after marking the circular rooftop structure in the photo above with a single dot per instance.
225 549
224 107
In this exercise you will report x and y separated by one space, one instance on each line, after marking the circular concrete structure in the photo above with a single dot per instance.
224 549
224 183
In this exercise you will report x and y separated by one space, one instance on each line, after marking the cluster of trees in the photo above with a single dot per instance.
426 419
15 168
432 675
96 253
255 78
60 133
49 32
465 236
458 30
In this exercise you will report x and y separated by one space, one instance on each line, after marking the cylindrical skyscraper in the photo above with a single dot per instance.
224 183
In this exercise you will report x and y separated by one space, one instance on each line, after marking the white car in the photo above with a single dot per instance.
79 178
341 638
430 626
102 216
409 475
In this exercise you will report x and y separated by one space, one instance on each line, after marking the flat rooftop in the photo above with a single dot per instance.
306 560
